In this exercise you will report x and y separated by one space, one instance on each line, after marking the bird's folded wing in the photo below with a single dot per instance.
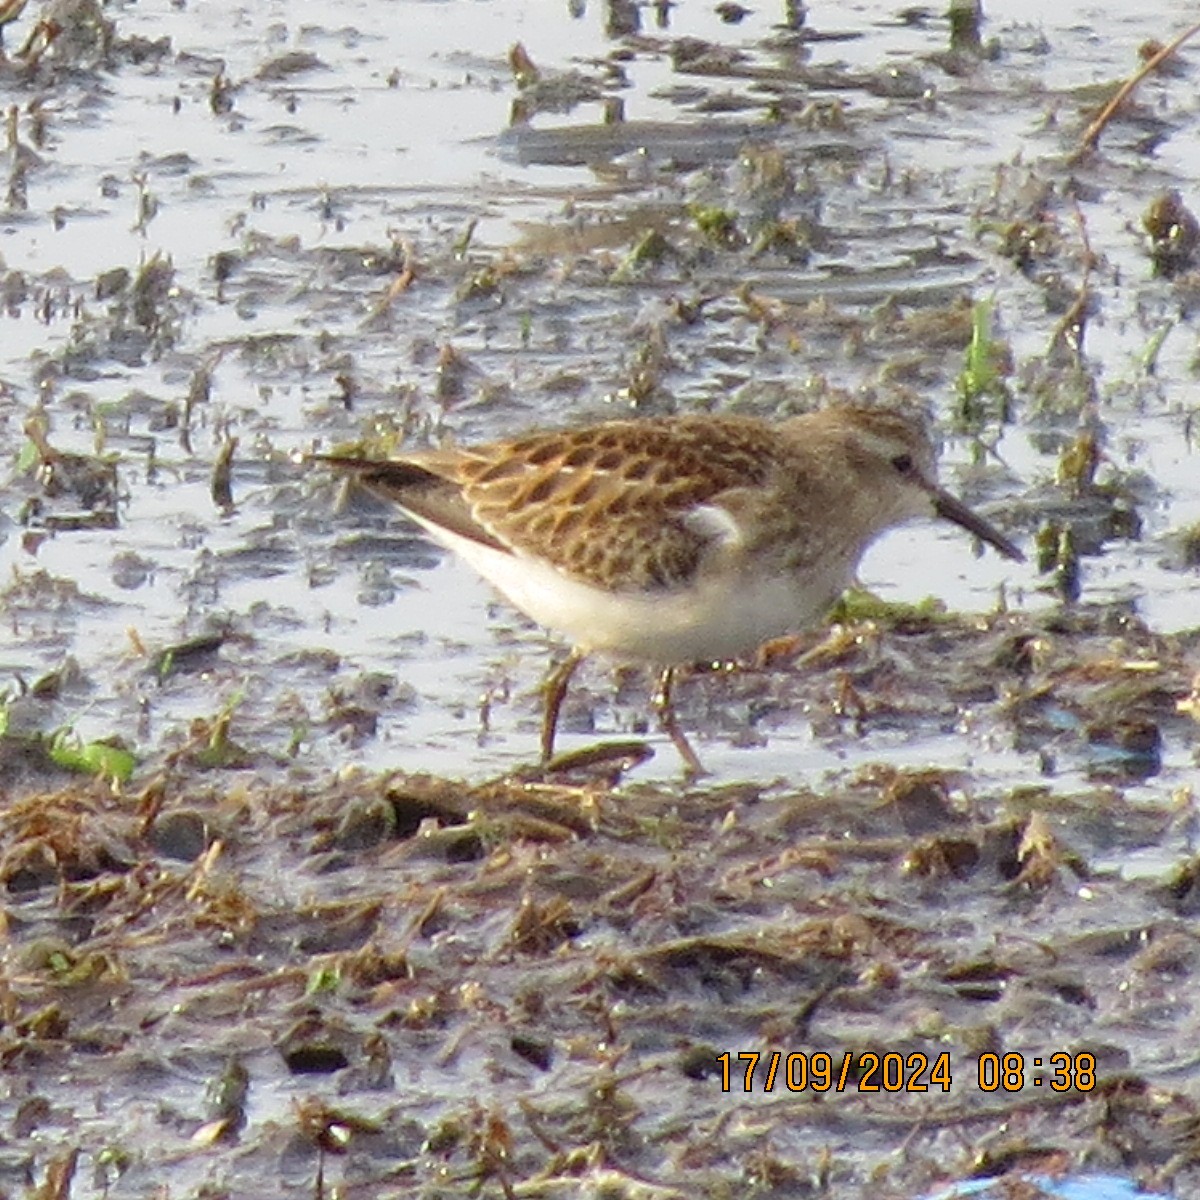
627 505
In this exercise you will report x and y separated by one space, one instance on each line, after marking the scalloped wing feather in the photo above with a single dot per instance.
626 505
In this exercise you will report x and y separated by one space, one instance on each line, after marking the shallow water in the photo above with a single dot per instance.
289 196
395 134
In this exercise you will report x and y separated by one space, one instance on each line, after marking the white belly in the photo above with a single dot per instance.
724 616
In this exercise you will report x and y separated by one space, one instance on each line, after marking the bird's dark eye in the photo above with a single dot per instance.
903 463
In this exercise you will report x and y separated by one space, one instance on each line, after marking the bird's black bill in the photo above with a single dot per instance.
945 505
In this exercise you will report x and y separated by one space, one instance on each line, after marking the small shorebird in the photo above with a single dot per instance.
674 540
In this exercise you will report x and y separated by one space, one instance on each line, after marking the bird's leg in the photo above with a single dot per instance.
692 765
556 688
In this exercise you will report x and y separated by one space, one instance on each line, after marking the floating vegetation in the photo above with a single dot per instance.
287 908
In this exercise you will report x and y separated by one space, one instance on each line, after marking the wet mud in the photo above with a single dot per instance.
289 909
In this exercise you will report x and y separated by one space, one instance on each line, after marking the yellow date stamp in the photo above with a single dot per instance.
869 1071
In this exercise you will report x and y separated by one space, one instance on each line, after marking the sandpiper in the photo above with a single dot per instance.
674 540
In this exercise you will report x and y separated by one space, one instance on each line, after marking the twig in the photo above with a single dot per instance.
1068 333
1092 134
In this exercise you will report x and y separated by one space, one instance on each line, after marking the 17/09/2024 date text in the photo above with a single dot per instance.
868 1071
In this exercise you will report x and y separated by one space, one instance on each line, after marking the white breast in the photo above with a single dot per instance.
725 615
